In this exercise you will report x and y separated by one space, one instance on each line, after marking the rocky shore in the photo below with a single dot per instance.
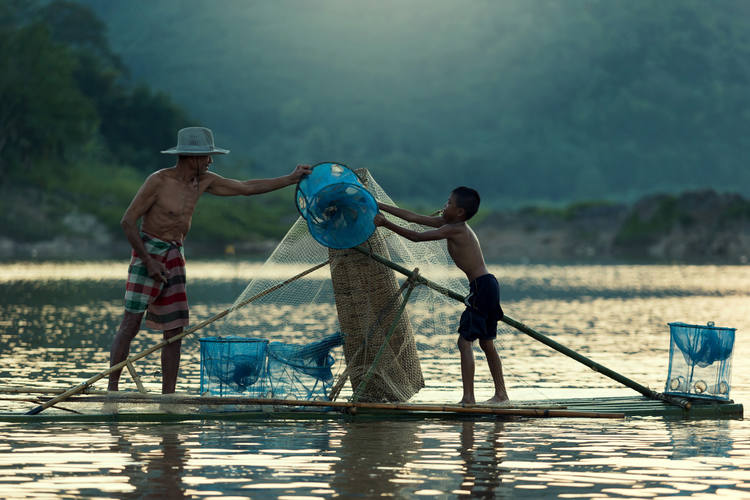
693 227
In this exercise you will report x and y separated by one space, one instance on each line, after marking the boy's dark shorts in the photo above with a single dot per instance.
483 311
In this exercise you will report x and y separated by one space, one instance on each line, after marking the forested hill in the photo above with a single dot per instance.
530 101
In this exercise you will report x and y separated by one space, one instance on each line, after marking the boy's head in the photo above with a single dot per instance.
467 199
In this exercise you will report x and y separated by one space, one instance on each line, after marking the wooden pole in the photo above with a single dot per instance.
684 403
135 376
162 344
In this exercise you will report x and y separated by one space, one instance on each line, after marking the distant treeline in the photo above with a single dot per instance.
78 136
530 101
65 93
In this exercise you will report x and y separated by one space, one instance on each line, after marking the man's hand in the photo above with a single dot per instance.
157 271
299 171
379 219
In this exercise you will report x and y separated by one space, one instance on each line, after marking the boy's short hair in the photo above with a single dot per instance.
468 199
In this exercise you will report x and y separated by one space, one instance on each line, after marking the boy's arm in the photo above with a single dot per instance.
401 213
445 231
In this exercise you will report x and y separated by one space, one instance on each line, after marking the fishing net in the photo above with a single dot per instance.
388 326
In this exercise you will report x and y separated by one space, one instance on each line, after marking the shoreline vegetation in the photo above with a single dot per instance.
80 130
695 227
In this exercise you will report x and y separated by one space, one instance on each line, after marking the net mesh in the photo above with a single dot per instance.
700 361
383 347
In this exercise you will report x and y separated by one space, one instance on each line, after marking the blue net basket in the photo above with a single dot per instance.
252 367
234 366
700 361
338 209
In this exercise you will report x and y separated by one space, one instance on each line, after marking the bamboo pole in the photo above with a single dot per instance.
134 375
164 343
538 336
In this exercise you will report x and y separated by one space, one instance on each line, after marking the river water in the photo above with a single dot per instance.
57 321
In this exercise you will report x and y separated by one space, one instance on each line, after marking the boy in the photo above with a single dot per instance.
483 311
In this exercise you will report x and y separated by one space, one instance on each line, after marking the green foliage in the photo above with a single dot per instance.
231 220
567 212
640 229
42 112
737 209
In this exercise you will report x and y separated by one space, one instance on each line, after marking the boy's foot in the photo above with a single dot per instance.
467 402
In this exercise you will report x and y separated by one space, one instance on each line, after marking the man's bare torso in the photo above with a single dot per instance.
466 253
175 199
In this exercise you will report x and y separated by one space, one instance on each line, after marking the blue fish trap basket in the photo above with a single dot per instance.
338 209
253 367
700 361
234 366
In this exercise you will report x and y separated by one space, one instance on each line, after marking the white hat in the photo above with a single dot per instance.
195 141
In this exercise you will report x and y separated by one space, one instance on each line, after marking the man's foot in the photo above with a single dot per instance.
467 402
498 401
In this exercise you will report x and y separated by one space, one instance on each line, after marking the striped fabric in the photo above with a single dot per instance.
166 302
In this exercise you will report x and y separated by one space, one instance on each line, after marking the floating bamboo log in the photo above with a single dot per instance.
350 406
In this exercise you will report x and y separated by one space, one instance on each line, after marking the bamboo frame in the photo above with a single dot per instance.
350 406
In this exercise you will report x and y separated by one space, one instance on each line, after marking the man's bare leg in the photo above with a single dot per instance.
129 328
170 362
467 370
496 369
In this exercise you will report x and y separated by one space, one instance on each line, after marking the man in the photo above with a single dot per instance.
483 311
156 278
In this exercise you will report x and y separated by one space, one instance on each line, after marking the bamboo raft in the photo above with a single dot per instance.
100 406
93 406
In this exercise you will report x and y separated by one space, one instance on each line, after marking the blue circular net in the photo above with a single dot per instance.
338 209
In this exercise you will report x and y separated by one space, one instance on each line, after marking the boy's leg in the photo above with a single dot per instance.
129 327
467 370
496 369
170 362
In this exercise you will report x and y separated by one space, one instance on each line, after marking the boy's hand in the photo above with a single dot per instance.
379 220
300 171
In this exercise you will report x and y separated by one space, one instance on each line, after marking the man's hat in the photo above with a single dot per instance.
195 141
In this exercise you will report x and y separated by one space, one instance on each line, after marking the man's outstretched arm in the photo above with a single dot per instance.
222 186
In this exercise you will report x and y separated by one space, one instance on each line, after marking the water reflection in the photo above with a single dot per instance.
481 450
156 472
373 459
701 438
